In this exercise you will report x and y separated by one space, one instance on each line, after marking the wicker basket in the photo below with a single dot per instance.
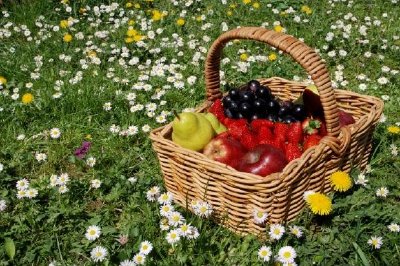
234 195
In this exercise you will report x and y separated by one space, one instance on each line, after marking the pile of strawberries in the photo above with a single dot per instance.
291 138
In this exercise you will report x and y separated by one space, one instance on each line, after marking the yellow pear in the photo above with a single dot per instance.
217 126
192 131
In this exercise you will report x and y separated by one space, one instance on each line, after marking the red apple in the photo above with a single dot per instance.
263 160
345 118
225 149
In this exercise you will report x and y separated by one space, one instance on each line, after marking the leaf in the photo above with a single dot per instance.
361 254
9 247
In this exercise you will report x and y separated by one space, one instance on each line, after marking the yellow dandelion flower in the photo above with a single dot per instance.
244 57
180 22
27 98
319 203
82 10
157 15
256 5
138 38
137 6
246 2
306 9
131 22
272 57
3 80
92 53
393 129
129 40
131 32
67 37
229 13
340 181
198 18
64 24
279 28
128 5
88 136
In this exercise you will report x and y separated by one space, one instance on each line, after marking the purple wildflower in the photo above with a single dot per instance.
83 149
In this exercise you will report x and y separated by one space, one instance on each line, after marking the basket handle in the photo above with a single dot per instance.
299 51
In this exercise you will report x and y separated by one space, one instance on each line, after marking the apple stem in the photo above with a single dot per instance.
176 114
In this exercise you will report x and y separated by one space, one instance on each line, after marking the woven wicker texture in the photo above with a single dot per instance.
235 195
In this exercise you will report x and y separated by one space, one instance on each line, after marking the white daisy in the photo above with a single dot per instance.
361 180
63 179
95 183
132 180
259 216
393 227
40 157
375 241
165 210
53 180
175 219
98 253
153 193
276 231
63 189
31 193
164 226
203 209
22 184
165 198
127 263
145 247
93 232
91 161
3 205
55 133
193 233
21 194
173 236
286 254
382 192
139 259
1 167
185 229
296 231
265 253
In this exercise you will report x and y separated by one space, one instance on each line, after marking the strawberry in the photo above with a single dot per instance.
322 130
311 141
292 151
238 128
256 124
311 126
264 134
295 133
249 141
217 109
227 121
280 131
279 143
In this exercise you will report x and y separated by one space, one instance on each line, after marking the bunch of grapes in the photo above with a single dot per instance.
256 101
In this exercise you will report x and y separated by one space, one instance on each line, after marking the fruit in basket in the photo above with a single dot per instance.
312 102
217 109
263 160
311 126
217 126
192 131
253 85
345 118
312 140
225 149
292 151
295 133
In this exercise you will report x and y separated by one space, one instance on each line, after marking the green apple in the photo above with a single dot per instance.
217 126
192 131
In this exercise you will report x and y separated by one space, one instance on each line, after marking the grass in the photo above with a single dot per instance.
51 226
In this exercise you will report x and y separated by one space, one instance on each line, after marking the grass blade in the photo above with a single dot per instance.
361 254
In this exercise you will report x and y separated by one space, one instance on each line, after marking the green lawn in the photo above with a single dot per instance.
76 71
